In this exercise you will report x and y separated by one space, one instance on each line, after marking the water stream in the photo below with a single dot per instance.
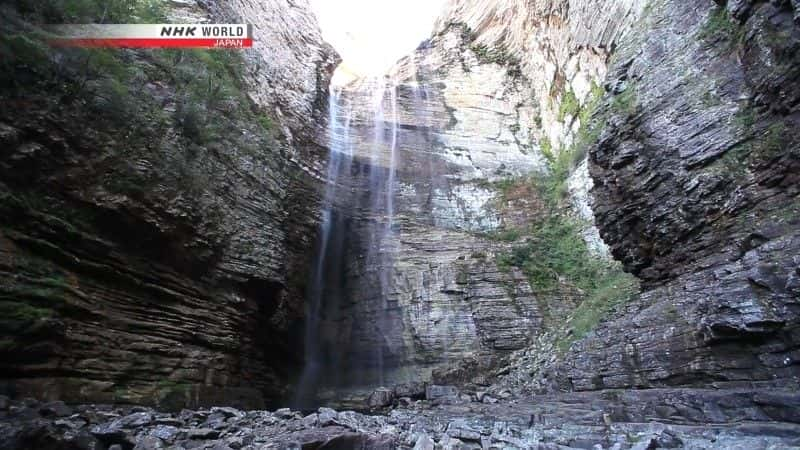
329 350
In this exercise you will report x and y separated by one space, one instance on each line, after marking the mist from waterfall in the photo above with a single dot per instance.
367 184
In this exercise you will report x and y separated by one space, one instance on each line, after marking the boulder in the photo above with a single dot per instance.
55 409
380 398
435 392
411 390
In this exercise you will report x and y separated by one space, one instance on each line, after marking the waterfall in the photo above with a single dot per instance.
329 359
329 248
381 188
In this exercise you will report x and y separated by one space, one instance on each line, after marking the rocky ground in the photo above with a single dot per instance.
444 418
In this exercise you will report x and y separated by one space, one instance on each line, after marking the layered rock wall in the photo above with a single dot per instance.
696 185
148 254
473 106
690 177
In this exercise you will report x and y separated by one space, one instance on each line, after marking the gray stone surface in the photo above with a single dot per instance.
712 196
678 418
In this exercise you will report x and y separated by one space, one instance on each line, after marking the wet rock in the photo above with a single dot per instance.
201 433
286 413
55 409
739 9
573 419
135 420
216 421
424 442
435 392
380 398
149 443
166 433
171 421
23 412
111 433
310 420
413 391
228 412
326 416
187 415
463 432
199 226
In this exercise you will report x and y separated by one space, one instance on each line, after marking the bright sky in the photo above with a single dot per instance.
371 35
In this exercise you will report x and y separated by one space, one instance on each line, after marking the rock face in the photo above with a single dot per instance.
146 254
608 419
696 187
471 109
289 69
440 296
165 263
691 179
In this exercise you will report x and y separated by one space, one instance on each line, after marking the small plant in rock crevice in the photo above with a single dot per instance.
570 105
720 25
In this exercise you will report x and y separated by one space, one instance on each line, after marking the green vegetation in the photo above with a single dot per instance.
563 160
745 119
18 319
478 255
758 145
507 235
136 96
596 93
570 106
493 55
552 252
710 99
93 11
553 255
625 102
546 147
614 288
172 395
720 26
23 312
773 143
484 53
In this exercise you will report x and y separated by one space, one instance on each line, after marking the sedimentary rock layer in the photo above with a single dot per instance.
146 255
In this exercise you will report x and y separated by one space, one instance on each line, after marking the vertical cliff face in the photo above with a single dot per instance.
159 210
683 111
696 187
690 175
471 109
436 295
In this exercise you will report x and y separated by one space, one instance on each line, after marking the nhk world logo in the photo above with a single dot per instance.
154 36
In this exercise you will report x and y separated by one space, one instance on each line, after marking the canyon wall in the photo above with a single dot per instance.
696 176
684 112
470 109
159 210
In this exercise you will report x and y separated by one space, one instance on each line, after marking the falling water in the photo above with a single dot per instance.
328 287
329 247
381 188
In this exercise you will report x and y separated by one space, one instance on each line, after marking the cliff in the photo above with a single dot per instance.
494 117
159 209
696 186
